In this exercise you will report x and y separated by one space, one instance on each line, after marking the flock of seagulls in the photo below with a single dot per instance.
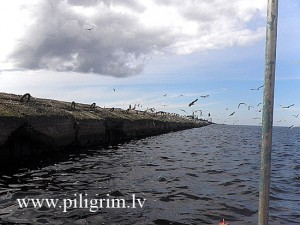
242 105
26 97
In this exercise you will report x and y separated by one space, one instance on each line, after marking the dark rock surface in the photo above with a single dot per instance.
49 125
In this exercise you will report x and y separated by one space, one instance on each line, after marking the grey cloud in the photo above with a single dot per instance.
133 4
118 43
116 46
83 2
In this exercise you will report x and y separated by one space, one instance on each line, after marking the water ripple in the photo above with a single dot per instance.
196 176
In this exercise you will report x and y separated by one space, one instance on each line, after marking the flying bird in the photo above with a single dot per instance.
290 127
183 110
232 114
90 28
114 90
286 107
204 96
193 102
296 116
241 103
165 95
180 95
280 121
259 104
249 107
256 89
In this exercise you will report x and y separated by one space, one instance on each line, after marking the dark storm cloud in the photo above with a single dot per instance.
59 40
112 37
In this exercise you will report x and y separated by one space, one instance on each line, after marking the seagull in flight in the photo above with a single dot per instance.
256 89
114 90
204 96
180 95
90 28
286 107
290 127
296 116
259 104
232 114
241 103
183 110
193 102
249 107
280 121
165 95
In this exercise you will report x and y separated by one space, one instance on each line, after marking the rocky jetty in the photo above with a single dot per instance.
30 125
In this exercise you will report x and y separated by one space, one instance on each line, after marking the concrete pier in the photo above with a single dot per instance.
39 125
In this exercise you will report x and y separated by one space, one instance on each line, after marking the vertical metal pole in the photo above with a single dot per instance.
268 105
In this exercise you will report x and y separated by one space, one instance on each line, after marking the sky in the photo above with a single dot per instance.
161 54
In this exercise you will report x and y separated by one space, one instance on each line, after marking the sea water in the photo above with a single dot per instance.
196 176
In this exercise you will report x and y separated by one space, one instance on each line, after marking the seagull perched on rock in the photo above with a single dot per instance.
27 95
93 105
193 102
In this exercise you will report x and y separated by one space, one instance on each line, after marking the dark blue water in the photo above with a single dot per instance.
196 176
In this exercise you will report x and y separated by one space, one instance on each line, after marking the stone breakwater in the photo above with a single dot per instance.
32 125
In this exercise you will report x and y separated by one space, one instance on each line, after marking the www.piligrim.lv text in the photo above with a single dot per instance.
81 201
